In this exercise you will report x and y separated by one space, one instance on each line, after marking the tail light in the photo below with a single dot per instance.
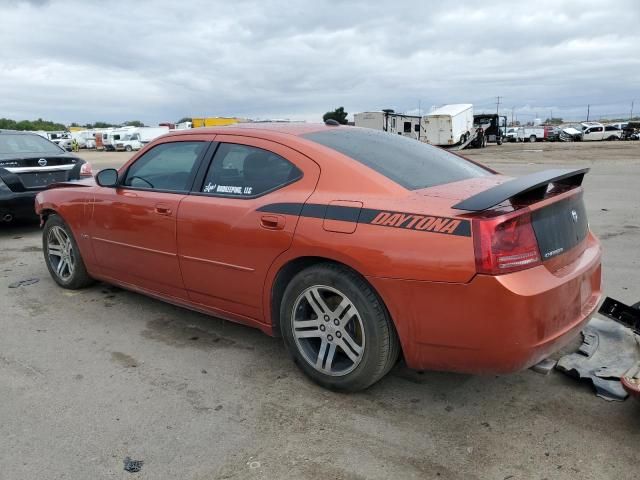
85 170
505 244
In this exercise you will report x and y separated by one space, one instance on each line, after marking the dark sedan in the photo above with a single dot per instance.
28 164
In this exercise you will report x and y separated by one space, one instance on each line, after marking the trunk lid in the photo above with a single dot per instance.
38 171
554 203
560 226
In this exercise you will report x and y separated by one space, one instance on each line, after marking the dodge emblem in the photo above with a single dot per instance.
574 216
42 162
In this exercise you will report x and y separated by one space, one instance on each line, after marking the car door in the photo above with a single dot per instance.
133 226
225 243
593 134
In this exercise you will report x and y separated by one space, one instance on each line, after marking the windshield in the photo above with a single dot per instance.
408 162
18 144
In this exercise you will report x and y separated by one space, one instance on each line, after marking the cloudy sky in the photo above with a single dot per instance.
86 60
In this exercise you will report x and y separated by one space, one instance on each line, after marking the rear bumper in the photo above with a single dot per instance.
494 324
18 204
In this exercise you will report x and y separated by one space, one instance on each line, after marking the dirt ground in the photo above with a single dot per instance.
88 378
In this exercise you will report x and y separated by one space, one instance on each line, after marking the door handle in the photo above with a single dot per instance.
163 210
272 222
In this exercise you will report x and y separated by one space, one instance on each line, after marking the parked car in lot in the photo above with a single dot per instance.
354 245
28 164
128 142
594 131
533 134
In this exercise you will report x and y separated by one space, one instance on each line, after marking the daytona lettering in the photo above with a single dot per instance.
416 222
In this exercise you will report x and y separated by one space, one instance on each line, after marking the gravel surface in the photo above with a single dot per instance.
88 378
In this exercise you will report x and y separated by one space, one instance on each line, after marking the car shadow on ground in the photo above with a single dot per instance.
16 228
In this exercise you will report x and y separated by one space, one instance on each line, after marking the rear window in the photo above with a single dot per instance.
19 143
408 162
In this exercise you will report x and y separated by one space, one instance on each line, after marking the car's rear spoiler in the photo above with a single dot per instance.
533 186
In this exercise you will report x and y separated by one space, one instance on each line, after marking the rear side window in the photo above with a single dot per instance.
168 166
244 171
408 162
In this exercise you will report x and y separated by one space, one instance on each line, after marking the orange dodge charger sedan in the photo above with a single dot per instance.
357 246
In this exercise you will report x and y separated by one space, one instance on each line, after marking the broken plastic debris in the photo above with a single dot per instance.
133 466
607 351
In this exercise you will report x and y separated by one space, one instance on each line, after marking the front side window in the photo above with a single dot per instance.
244 171
169 166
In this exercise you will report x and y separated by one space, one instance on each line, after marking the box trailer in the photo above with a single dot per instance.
389 121
448 125
213 121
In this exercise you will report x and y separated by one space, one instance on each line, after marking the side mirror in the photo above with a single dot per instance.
107 177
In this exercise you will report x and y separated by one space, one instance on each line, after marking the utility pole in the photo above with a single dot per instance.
588 107
513 109
498 104
631 114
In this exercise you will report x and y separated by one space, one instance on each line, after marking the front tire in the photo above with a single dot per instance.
62 255
532 139
337 329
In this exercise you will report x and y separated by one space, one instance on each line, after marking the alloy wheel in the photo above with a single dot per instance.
60 253
328 330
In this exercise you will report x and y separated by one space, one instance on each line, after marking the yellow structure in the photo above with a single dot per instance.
213 121
76 129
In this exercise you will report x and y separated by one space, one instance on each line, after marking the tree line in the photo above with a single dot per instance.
47 125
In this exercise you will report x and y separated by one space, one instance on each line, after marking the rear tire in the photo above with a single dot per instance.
337 329
532 139
62 255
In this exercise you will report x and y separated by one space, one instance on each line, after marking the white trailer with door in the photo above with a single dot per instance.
448 125
397 123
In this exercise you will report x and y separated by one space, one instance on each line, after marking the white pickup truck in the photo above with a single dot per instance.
594 131
530 134
128 142
136 138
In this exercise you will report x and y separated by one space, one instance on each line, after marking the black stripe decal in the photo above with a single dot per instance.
383 218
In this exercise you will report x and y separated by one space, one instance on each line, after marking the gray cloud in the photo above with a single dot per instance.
85 61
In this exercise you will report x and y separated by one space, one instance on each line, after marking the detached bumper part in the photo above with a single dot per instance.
604 358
